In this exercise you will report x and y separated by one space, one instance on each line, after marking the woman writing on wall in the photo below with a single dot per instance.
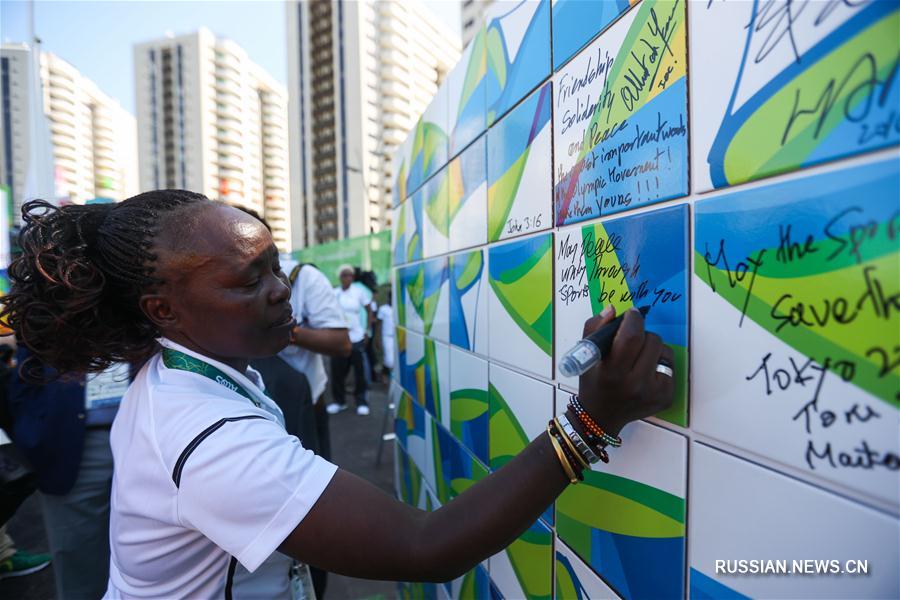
210 495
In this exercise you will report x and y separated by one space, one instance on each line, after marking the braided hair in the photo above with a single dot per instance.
74 299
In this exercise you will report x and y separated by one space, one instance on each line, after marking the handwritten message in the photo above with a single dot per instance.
621 117
789 84
811 278
628 262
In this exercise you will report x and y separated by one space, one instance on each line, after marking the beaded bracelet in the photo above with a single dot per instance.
596 435
566 466
591 425
592 455
570 444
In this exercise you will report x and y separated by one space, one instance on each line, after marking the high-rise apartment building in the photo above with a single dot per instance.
93 137
212 121
360 74
471 15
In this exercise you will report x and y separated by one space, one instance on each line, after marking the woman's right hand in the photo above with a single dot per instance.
625 385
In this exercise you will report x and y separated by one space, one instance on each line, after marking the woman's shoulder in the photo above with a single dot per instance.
171 409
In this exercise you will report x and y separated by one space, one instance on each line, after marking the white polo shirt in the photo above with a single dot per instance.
206 486
352 301
315 306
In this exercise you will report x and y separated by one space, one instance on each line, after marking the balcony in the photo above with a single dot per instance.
227 67
62 127
229 137
273 111
104 144
229 97
391 73
63 81
229 111
64 107
273 142
105 161
274 169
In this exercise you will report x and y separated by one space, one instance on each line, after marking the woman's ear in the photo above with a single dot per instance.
159 310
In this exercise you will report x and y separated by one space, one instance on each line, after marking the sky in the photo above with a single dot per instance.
97 37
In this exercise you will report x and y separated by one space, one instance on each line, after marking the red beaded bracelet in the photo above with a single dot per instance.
591 425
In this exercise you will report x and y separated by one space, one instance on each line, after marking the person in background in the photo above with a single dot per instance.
367 283
62 426
385 317
351 300
13 562
321 331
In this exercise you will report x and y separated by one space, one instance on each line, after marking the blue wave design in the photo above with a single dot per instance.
482 582
401 427
733 120
404 277
431 402
471 120
746 218
414 227
622 560
415 176
473 164
704 587
513 135
456 461
528 67
459 323
474 435
399 250
660 239
511 255
580 591
576 22
436 274
408 376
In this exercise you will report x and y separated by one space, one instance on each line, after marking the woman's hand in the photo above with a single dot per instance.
625 385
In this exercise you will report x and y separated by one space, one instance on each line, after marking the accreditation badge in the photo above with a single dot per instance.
105 389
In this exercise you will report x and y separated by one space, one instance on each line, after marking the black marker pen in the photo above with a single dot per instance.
588 352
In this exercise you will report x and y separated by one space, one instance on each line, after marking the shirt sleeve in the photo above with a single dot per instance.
319 305
365 298
247 485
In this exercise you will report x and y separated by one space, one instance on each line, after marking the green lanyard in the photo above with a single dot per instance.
174 359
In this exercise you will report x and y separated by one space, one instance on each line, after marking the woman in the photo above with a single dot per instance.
207 484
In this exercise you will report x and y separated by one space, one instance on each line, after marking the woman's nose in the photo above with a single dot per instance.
281 290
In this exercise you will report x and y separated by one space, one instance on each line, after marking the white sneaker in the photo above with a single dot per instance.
362 410
334 408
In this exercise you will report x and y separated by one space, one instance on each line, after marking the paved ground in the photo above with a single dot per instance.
355 442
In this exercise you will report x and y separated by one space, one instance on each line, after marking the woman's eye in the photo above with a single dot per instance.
252 284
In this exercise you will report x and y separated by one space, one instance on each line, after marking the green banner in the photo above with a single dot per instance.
369 252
